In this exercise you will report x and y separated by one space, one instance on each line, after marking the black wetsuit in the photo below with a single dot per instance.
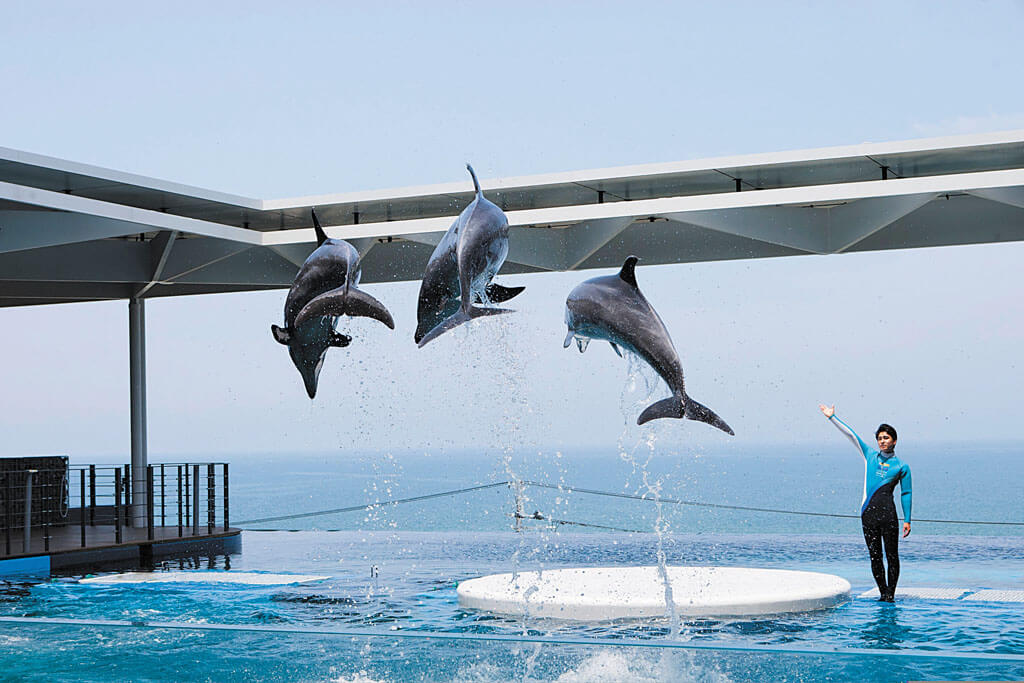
882 471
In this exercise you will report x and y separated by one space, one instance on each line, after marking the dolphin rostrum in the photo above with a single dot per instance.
460 270
613 308
325 288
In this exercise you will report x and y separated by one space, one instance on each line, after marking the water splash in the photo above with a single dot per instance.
641 386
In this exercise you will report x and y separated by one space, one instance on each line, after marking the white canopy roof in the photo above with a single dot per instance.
71 232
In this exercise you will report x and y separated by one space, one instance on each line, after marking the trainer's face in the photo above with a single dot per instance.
885 442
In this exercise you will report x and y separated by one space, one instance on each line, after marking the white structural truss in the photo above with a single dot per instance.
71 232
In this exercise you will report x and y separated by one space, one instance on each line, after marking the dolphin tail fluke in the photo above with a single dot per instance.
281 334
476 183
426 320
344 300
497 294
361 304
701 413
667 407
330 303
461 317
678 407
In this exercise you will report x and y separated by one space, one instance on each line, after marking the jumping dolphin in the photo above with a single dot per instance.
440 289
325 288
613 308
461 268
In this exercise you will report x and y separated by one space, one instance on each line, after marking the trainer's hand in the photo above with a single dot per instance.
826 411
906 529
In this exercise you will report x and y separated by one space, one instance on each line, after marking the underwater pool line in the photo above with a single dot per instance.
593 642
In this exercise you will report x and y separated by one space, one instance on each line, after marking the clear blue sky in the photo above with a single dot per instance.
271 101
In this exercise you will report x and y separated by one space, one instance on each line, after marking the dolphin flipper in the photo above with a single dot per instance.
616 349
497 294
344 300
568 338
461 317
283 336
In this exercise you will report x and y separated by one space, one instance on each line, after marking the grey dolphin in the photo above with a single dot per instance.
325 288
439 291
613 308
462 267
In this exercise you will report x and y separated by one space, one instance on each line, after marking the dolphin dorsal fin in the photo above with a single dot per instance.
628 272
321 236
476 184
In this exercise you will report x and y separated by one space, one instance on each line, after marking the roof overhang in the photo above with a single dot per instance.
70 232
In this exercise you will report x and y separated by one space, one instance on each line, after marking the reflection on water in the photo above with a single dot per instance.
884 631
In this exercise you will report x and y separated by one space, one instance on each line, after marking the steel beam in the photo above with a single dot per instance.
20 230
100 261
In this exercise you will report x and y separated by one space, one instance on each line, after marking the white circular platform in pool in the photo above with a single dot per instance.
601 593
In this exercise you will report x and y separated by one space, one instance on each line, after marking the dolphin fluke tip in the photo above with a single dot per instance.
456 320
701 413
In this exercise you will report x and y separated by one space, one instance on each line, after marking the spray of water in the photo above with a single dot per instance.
641 387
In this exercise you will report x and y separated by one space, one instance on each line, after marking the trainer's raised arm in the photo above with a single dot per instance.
830 413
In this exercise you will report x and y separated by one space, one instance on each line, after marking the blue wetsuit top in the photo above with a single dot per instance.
882 471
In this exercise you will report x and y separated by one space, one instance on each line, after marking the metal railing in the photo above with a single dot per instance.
61 508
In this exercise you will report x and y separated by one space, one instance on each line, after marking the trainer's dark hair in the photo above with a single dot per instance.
888 429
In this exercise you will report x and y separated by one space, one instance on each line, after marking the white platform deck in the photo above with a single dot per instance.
948 593
604 593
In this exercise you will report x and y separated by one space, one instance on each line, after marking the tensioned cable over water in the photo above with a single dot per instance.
594 492
370 506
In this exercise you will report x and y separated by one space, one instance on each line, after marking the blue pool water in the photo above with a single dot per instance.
388 611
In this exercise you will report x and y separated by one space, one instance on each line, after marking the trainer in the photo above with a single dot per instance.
882 471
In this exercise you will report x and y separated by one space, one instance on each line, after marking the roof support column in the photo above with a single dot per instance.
137 378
